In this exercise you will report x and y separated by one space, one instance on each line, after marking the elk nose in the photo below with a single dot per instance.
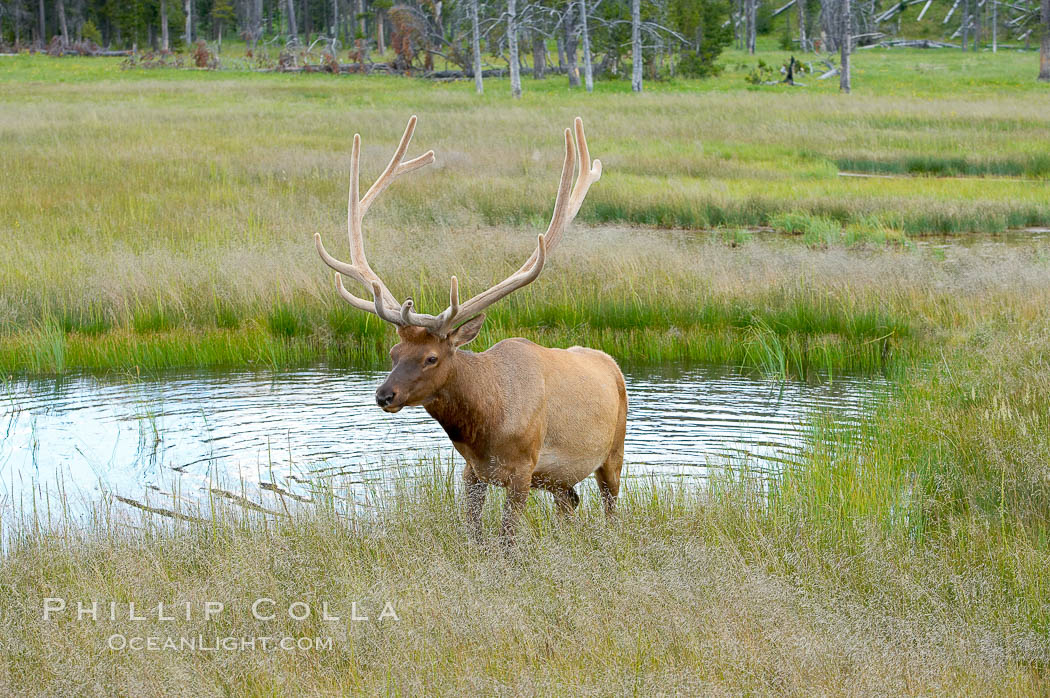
384 396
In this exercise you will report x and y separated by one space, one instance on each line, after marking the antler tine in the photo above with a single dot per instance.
594 171
435 323
396 167
523 277
361 303
562 214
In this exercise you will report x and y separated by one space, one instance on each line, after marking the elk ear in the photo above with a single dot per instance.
466 332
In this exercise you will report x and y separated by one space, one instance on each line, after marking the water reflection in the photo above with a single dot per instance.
245 430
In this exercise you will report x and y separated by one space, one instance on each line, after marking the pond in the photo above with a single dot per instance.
245 431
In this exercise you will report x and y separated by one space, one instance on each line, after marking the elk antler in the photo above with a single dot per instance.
383 302
566 206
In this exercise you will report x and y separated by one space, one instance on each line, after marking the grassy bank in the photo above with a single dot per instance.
163 218
911 561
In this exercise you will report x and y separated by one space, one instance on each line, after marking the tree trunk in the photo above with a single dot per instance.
559 39
976 25
572 70
43 26
752 31
61 7
1044 46
539 56
739 30
361 18
845 43
188 8
800 5
258 21
165 45
475 45
292 29
381 30
995 26
512 40
965 23
636 45
588 69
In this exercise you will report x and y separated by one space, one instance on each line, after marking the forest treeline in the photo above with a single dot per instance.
640 39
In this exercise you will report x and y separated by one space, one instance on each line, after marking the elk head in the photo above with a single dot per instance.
423 359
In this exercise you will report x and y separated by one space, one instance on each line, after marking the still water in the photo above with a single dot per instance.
243 431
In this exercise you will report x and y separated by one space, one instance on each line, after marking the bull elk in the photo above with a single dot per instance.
521 415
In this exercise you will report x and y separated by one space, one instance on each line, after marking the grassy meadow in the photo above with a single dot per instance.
162 218
157 219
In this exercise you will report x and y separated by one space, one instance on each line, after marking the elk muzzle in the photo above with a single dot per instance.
386 397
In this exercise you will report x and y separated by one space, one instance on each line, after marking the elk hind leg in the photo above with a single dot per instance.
566 499
608 477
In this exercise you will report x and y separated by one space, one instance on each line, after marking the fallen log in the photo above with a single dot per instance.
911 43
98 54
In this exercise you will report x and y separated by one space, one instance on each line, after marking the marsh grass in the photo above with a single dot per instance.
178 204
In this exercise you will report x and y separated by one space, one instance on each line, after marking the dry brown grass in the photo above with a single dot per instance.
686 593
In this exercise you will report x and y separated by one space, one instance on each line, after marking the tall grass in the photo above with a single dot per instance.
688 590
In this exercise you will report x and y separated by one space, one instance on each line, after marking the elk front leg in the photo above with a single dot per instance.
517 497
475 491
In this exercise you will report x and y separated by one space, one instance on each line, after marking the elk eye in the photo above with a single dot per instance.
431 360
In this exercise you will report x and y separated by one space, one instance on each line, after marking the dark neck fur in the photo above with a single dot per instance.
460 405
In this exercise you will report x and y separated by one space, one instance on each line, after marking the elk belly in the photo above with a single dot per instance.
566 467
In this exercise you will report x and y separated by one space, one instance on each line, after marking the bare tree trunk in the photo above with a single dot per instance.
995 26
588 69
539 56
61 7
292 29
636 45
740 31
188 8
361 17
381 30
800 5
43 26
572 69
965 23
752 29
1044 46
475 42
512 40
165 44
845 43
559 39
977 25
